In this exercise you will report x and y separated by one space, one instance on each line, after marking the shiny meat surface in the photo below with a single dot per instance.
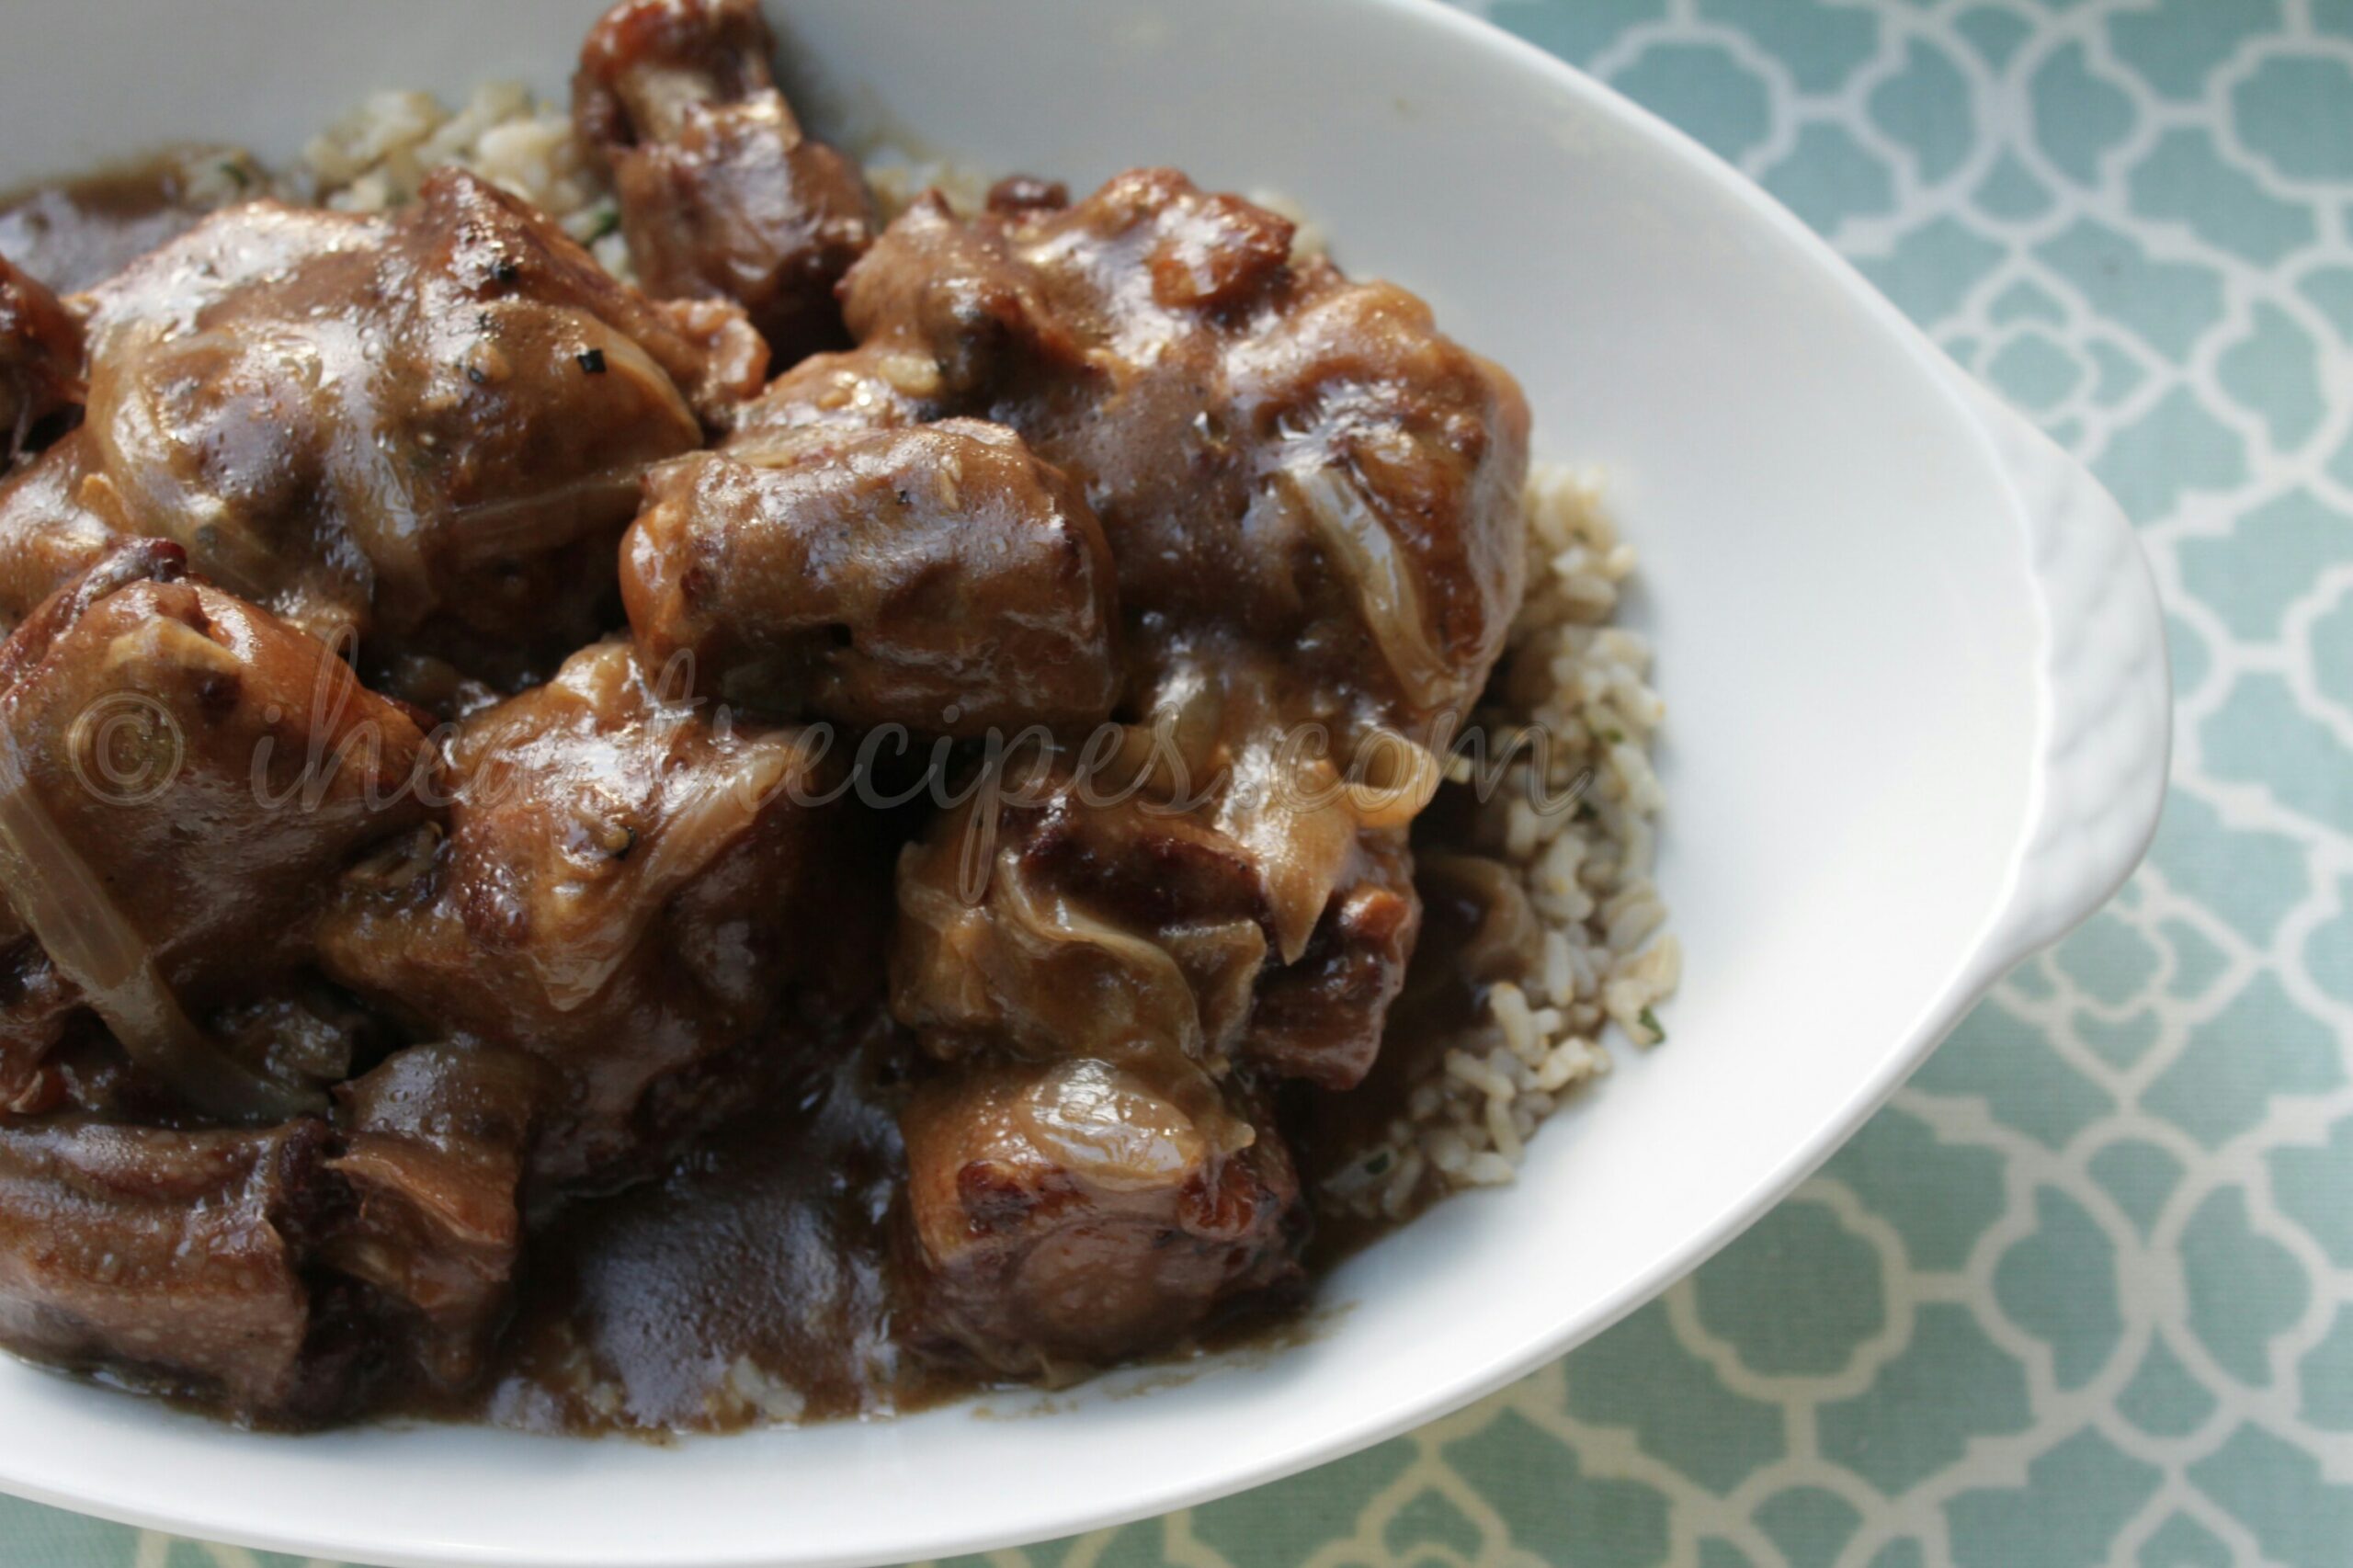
721 194
1175 891
424 432
1322 1016
183 777
462 952
940 577
46 535
433 1160
1124 931
172 1255
40 360
623 890
1143 964
1271 447
1067 1214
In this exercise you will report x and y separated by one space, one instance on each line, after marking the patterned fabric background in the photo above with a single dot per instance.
2085 1294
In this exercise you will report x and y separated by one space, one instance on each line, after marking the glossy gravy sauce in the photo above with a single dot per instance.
617 1329
73 233
752 1281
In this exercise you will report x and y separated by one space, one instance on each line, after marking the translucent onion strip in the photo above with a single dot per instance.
1350 530
91 944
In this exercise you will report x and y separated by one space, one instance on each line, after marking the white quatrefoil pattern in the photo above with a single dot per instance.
2083 1294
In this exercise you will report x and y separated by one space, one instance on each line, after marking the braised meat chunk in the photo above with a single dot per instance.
175 1254
423 431
1321 1015
461 235
59 514
48 535
182 775
721 194
1198 891
1066 1215
1106 968
282 1272
550 875
1390 461
1270 447
40 360
939 577
624 889
1053 925
437 1140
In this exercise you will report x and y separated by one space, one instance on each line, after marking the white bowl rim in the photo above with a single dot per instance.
2017 926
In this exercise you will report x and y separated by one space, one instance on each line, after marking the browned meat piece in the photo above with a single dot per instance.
722 195
1027 193
58 516
121 564
1321 1017
1271 448
461 237
1066 1213
1204 896
1121 929
625 890
1395 460
171 1252
182 777
939 577
46 535
192 1255
968 319
853 390
434 1155
40 360
426 429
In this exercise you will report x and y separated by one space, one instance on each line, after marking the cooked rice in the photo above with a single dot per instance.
1570 676
377 155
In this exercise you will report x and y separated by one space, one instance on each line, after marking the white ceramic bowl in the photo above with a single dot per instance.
1912 663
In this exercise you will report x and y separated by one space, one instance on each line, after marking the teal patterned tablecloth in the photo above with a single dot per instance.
2085 1293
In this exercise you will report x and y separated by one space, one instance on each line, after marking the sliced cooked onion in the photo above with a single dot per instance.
1391 779
1510 941
1350 530
549 519
1289 811
92 943
702 812
1108 1127
1043 926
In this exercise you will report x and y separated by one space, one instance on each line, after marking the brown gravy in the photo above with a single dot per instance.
754 1278
620 1331
72 233
751 1283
